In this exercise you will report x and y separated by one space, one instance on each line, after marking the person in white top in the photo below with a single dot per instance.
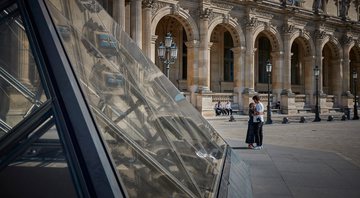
228 108
258 122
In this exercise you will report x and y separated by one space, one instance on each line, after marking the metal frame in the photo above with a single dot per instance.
89 164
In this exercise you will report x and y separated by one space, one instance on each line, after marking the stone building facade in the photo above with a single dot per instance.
224 47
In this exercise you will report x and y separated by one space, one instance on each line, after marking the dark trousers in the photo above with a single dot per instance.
228 111
258 131
250 133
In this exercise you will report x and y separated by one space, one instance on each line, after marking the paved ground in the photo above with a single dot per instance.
299 160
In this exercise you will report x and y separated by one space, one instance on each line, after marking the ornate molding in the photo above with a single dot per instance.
192 44
357 42
157 6
148 3
347 40
222 5
319 34
175 9
205 13
251 22
226 18
288 28
304 32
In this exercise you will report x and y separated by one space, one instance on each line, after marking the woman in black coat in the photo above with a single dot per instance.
250 136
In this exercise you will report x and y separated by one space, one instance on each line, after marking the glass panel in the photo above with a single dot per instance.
20 88
160 144
40 171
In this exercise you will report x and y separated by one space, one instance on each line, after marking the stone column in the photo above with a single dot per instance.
204 52
24 49
249 58
136 22
147 37
153 47
192 69
309 81
346 97
127 17
319 39
281 81
287 65
277 75
249 69
346 75
337 79
119 12
238 83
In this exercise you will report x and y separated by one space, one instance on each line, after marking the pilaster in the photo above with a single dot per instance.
153 47
337 66
136 22
24 49
204 51
119 12
146 18
192 69
249 57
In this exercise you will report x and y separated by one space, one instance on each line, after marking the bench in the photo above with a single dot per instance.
235 108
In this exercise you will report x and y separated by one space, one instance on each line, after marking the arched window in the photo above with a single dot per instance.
228 58
184 57
264 55
295 65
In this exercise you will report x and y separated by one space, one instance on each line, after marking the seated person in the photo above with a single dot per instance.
219 109
277 105
228 108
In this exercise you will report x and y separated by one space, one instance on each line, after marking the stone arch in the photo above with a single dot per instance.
306 42
232 26
276 44
272 34
332 68
219 70
302 67
354 57
355 47
335 46
182 16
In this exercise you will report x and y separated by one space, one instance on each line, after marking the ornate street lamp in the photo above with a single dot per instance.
268 70
354 75
167 52
317 73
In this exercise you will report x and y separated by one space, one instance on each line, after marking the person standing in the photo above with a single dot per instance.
258 122
250 130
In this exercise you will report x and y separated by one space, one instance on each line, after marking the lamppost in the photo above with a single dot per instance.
317 73
167 52
354 75
268 70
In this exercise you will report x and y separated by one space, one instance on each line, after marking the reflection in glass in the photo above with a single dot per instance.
40 171
160 145
20 88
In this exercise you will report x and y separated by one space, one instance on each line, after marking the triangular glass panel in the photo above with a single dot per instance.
37 166
159 143
21 90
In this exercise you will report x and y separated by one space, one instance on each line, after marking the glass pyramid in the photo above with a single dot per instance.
125 128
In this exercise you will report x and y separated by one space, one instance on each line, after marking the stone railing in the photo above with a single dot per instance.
222 97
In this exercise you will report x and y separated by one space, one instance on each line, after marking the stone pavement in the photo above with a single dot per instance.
299 160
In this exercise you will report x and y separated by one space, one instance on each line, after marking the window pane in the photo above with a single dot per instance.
20 88
160 144
40 171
